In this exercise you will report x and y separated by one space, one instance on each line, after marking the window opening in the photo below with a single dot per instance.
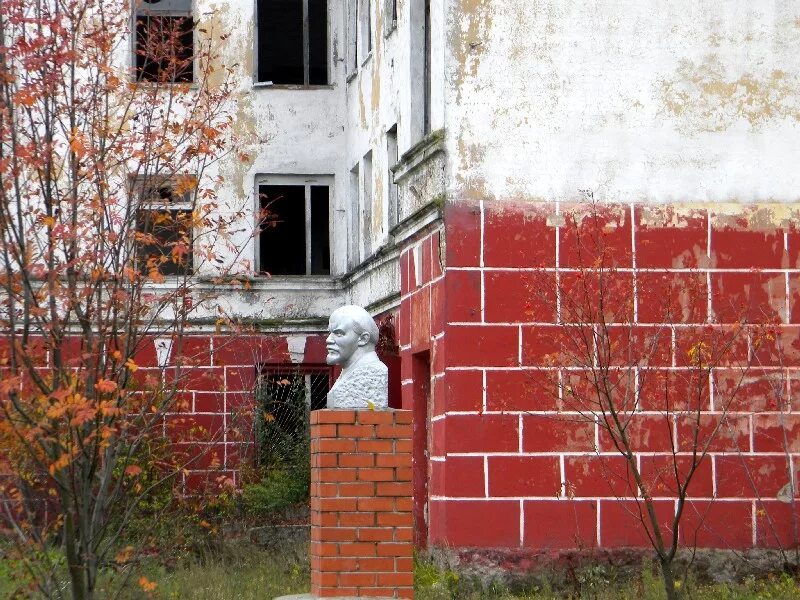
294 237
164 44
391 161
366 205
390 16
355 218
163 228
366 28
292 42
352 37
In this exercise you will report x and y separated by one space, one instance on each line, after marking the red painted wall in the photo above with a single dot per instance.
508 466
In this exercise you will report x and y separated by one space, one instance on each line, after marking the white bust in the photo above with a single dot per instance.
352 335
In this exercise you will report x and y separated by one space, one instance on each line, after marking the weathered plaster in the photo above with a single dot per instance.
665 102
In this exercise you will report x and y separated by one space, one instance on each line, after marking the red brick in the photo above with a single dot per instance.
735 244
704 346
524 476
458 476
195 428
555 345
356 460
674 390
465 523
402 474
753 297
464 389
667 297
356 579
375 446
396 519
462 295
717 434
403 417
627 523
335 475
376 504
376 417
463 230
395 549
794 298
421 319
593 296
395 579
717 524
576 524
751 476
356 490
355 431
333 534
595 234
658 474
671 237
323 431
376 565
517 235
333 445
557 433
527 390
356 548
405 259
366 474
203 379
777 346
581 388
320 417
750 390
438 307
375 534
209 402
427 260
393 460
776 433
333 504
323 549
629 345
775 524
386 488
645 433
482 433
598 476
315 350
520 296
247 350
394 431
474 345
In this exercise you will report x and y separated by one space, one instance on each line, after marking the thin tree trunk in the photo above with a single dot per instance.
669 579
76 570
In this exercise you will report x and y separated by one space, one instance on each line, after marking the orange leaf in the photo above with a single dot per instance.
105 386
133 470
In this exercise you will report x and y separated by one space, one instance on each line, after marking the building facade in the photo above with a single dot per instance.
438 161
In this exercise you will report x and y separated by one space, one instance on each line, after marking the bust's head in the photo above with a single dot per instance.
352 333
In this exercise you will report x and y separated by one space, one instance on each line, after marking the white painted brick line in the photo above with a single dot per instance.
563 469
520 433
709 305
486 476
714 476
657 270
708 234
754 523
599 538
483 391
633 264
711 391
482 233
519 346
521 523
552 498
787 308
674 344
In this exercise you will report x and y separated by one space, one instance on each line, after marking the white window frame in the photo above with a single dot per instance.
297 180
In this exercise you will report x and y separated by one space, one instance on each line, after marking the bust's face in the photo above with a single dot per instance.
342 340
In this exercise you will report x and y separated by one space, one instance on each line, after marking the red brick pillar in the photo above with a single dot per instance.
361 523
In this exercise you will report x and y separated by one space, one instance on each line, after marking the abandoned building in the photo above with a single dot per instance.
430 160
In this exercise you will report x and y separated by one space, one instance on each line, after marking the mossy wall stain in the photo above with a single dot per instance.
704 98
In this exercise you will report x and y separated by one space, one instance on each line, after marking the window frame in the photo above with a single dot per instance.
329 68
185 204
390 17
135 7
297 180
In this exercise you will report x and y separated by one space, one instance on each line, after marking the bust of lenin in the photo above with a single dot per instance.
352 335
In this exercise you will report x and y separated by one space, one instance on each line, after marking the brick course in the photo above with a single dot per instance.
361 519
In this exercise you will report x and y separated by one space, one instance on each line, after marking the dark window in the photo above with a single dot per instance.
294 237
293 41
164 241
164 41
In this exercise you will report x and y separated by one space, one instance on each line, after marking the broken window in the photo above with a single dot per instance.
164 45
292 42
389 16
391 161
294 237
164 227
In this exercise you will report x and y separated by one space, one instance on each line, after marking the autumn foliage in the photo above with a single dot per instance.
108 212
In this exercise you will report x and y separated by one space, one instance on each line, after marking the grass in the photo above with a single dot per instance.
240 571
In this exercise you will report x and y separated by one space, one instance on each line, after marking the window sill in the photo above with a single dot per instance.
263 85
366 59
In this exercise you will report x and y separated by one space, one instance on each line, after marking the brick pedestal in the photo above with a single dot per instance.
361 522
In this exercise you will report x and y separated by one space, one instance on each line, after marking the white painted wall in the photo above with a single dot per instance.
666 100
